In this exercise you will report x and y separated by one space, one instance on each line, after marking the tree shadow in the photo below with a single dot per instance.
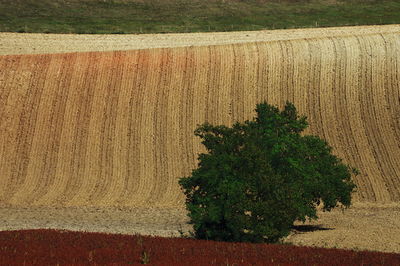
309 228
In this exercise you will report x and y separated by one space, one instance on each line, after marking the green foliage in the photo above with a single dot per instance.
260 176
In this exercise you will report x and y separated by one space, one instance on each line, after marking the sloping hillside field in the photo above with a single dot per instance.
44 43
116 128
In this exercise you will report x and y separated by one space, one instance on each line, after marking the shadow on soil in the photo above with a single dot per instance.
310 228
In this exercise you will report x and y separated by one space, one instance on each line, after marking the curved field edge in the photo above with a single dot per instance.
51 247
362 227
116 128
21 43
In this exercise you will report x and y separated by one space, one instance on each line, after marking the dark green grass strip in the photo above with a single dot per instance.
155 16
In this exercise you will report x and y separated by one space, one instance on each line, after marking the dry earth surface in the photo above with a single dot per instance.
33 43
362 227
116 128
96 141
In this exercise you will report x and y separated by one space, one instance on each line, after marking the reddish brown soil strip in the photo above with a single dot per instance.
54 247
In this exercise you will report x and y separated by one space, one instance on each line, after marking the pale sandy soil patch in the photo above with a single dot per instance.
33 43
362 227
147 221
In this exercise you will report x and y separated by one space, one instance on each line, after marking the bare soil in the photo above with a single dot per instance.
362 227
116 128
33 43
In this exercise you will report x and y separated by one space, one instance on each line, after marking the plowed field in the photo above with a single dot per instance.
116 128
96 141
34 43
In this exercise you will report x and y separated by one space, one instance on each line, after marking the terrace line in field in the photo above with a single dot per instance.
116 128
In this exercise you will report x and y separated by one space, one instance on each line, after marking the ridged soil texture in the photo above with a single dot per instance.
116 128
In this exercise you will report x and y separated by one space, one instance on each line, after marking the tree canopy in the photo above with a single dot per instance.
258 177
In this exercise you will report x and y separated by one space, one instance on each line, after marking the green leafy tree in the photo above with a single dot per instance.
258 177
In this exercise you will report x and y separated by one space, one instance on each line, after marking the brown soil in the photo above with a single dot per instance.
363 227
81 133
116 128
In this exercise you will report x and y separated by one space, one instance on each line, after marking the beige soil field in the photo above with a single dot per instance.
33 43
108 134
